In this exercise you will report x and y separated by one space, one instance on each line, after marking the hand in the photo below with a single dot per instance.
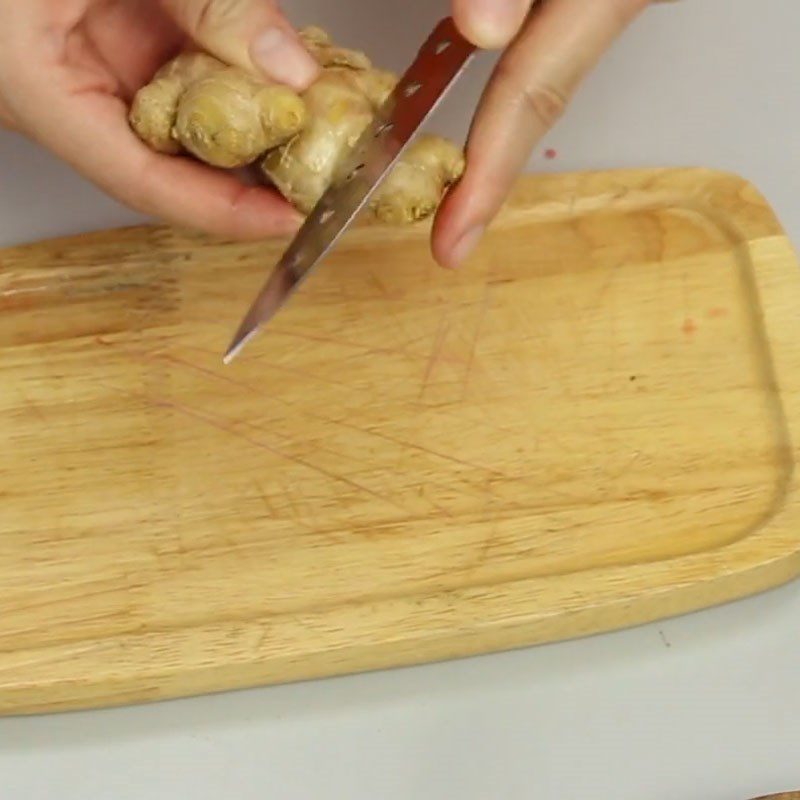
69 68
551 46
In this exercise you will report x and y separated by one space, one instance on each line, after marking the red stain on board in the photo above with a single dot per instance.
716 313
689 326
550 153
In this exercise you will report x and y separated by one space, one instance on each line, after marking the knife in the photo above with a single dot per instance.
441 60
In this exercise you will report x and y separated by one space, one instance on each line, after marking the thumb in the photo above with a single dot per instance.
252 34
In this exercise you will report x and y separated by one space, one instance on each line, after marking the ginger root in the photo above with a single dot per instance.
228 118
221 115
155 107
413 190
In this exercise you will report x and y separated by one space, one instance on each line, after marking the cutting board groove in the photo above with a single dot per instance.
591 426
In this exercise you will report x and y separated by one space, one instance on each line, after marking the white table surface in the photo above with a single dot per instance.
705 707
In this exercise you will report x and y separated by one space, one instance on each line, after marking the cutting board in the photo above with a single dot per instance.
591 426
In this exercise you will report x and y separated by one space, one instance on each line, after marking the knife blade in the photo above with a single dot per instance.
440 62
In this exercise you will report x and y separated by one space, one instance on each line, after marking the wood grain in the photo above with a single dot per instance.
591 426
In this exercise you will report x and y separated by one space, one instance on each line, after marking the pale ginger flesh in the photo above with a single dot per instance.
229 118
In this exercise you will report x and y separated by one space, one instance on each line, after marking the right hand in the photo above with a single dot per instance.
549 46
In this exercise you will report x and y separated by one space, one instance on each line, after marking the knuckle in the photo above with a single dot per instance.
543 101
546 103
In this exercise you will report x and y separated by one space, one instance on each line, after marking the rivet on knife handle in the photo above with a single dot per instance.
440 62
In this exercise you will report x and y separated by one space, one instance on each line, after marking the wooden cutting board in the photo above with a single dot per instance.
592 426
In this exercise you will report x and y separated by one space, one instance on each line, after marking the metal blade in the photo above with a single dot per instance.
440 62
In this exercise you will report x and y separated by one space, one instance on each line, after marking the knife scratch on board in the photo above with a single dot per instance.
225 427
436 353
471 360
265 500
493 534
250 389
363 348
301 373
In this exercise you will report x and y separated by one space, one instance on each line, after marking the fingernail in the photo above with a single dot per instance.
284 59
467 244
494 22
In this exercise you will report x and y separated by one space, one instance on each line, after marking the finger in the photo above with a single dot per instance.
93 136
250 34
530 89
490 24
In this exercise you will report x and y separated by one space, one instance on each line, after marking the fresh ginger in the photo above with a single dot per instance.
221 115
413 190
155 107
228 118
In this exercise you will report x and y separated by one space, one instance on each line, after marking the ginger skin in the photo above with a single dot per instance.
155 107
221 115
228 118
339 111
414 188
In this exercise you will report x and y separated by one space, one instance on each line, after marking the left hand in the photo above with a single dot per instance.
551 45
69 68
